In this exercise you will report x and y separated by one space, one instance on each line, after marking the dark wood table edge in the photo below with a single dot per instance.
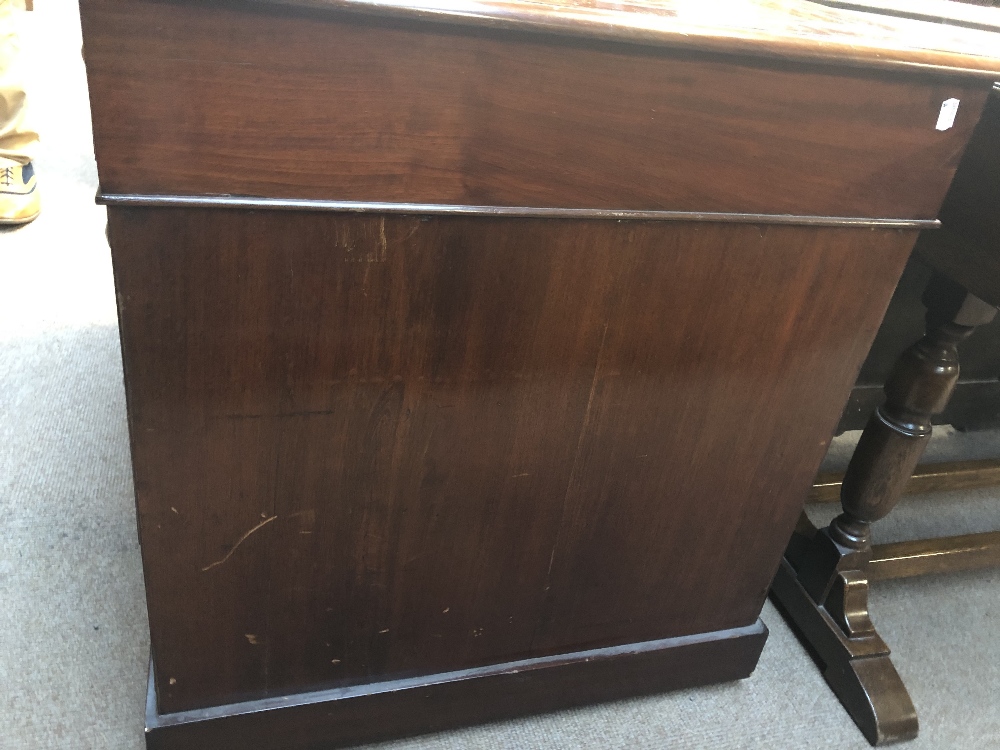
430 703
541 21
961 15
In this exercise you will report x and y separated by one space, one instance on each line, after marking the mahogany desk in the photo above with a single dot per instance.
479 356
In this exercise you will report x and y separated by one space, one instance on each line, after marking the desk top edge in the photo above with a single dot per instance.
797 30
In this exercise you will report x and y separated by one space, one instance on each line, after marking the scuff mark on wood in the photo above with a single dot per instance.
239 541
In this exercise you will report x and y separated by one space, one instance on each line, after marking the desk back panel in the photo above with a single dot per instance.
372 447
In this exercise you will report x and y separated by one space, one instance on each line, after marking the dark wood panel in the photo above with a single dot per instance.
344 717
722 401
369 447
969 251
293 103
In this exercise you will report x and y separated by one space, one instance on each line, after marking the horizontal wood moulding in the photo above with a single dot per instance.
237 98
380 710
417 209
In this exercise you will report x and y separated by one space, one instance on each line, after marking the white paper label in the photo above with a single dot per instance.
946 118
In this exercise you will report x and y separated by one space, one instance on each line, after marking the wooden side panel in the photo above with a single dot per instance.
372 447
253 99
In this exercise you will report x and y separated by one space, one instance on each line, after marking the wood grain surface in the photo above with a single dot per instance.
789 29
371 447
337 717
296 103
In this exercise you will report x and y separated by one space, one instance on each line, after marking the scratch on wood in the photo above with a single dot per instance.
239 541
576 461
548 573
409 234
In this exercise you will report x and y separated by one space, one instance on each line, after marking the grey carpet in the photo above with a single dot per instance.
73 643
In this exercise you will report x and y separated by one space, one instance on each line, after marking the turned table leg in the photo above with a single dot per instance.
822 584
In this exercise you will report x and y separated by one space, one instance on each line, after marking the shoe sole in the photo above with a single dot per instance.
17 222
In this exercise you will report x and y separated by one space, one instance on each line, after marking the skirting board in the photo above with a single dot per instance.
366 713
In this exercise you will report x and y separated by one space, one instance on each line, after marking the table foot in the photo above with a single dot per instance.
858 669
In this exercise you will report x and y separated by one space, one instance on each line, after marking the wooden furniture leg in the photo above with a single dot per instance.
822 583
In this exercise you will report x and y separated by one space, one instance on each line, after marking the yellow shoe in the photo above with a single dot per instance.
19 202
